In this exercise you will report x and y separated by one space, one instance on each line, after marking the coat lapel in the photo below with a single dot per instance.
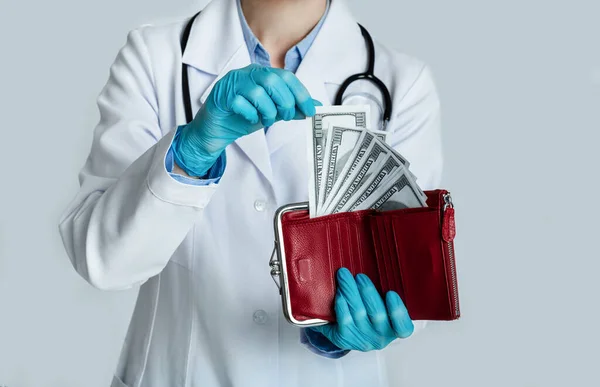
216 45
337 52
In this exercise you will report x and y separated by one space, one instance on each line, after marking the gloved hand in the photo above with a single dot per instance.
363 322
243 101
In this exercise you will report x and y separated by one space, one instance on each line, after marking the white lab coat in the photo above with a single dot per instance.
208 313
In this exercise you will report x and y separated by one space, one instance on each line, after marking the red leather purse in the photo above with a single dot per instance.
410 251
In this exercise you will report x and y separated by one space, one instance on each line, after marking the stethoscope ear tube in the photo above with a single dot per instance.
368 75
185 84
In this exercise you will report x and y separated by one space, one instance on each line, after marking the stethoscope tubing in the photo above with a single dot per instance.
367 75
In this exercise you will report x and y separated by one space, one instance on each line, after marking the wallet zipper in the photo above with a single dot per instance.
453 278
450 250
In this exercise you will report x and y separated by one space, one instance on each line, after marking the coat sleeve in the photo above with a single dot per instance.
130 214
416 134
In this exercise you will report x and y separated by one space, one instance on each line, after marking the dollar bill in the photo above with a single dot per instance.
354 161
406 165
325 117
388 169
370 162
340 143
397 193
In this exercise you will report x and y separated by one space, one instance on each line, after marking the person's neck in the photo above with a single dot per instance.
281 24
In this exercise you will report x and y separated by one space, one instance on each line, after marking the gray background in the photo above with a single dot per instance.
520 88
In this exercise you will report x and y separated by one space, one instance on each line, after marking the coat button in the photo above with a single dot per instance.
260 205
260 317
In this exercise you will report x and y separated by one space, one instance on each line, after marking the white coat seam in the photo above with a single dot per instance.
151 69
151 333
181 265
413 84
159 197
187 363
199 207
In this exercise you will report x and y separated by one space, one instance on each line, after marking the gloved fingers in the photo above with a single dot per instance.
300 116
374 305
348 288
343 316
244 108
261 100
398 314
301 95
278 90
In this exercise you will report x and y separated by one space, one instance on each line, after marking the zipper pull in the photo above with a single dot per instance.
448 225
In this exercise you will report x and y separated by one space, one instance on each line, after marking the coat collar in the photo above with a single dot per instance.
216 45
216 38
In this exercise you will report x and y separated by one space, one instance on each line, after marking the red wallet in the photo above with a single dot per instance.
410 251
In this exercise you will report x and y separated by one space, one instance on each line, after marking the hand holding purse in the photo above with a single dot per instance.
365 321
410 251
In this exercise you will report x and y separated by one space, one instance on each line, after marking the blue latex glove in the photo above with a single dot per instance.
363 322
243 101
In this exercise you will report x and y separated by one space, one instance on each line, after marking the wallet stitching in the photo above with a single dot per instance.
401 283
398 278
330 254
376 251
360 249
328 218
396 262
379 253
445 257
364 213
384 252
349 252
391 254
339 255
389 257
447 277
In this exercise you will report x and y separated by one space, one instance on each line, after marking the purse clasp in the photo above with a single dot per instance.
275 266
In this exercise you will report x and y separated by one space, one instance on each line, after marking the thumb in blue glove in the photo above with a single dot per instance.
364 323
243 101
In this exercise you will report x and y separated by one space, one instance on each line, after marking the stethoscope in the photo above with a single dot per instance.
368 75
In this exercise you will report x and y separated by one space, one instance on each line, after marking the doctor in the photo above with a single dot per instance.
186 210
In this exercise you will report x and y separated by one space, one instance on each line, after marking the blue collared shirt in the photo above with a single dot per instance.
259 55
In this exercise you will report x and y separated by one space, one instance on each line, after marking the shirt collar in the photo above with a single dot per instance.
301 47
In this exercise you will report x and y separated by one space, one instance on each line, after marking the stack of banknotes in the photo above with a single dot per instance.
352 168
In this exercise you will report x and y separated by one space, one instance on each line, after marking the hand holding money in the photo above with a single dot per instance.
352 167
